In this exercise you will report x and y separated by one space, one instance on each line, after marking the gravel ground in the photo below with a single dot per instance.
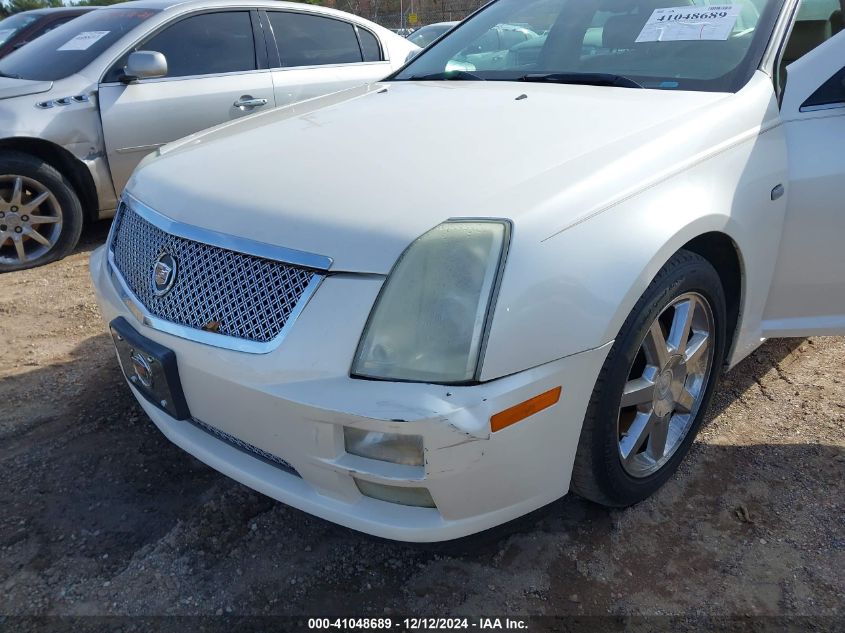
101 515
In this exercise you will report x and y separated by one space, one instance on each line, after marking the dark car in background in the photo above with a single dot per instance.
20 28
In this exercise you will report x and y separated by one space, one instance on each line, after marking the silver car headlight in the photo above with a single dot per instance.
429 322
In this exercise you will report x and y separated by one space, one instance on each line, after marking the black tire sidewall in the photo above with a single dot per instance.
692 274
18 164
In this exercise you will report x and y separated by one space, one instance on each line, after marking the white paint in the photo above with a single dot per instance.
603 185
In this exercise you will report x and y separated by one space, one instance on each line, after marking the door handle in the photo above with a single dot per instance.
247 102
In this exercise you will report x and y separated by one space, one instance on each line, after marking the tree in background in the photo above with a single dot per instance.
8 7
390 13
16 6
99 3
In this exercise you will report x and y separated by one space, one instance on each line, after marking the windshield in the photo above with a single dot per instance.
665 44
72 46
427 34
14 24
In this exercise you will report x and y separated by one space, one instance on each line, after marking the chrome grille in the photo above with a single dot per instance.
246 447
216 290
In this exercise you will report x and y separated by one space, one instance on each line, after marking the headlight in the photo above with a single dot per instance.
429 321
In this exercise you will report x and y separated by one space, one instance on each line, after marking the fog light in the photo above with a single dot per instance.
385 447
419 497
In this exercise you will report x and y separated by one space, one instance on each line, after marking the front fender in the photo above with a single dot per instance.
572 291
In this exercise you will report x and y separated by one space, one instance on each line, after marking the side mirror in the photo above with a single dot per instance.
144 65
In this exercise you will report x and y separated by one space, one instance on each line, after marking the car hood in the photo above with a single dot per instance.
11 87
359 175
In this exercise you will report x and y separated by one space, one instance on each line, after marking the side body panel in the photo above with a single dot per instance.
75 127
808 291
298 84
140 117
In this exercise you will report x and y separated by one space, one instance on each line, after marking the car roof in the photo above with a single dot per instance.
164 5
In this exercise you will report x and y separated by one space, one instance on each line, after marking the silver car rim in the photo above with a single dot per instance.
666 385
30 220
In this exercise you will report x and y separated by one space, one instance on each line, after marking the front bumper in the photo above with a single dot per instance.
294 402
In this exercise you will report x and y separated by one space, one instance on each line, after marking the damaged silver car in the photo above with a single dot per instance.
82 105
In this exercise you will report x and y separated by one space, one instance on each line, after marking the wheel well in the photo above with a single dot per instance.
66 164
722 253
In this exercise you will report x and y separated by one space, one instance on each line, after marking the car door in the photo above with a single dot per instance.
316 55
215 71
808 291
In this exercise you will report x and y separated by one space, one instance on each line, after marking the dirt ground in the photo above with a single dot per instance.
101 515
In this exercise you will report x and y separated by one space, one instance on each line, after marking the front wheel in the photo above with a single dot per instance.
655 386
40 213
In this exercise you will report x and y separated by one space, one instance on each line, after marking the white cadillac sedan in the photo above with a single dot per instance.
427 307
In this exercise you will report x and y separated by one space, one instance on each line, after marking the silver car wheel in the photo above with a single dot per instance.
666 384
30 219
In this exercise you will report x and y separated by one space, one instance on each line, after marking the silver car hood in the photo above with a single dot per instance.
357 176
11 87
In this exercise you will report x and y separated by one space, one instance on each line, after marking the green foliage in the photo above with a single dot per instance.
98 3
16 6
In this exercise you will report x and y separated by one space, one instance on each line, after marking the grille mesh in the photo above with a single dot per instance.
245 446
216 290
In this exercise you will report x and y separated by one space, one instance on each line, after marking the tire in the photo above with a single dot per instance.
619 462
24 243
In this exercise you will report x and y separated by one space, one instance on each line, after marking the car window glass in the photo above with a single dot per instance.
665 44
14 24
74 45
369 46
57 24
509 38
815 24
206 44
312 40
487 43
832 92
427 34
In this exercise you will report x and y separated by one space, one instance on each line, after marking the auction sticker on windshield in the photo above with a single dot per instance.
83 41
674 24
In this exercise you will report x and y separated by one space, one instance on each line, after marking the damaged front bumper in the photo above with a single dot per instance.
275 422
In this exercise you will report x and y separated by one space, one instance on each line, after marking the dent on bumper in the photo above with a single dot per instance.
476 478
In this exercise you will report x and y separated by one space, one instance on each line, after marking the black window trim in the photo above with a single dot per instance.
807 106
358 29
277 58
261 62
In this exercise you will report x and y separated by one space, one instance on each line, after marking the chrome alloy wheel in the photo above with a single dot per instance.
30 219
666 385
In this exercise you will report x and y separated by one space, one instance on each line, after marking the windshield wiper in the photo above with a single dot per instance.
8 76
449 75
586 79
